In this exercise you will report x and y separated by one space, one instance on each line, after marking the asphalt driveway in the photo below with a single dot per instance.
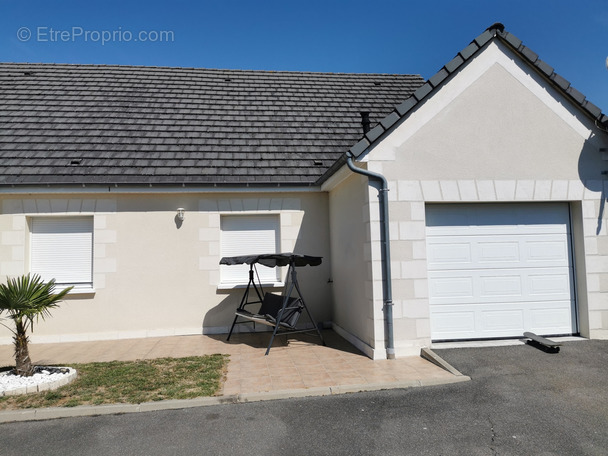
520 401
539 403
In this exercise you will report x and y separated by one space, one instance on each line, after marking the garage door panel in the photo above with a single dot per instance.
452 288
507 264
547 250
551 320
501 321
479 285
463 322
460 322
555 285
495 251
489 252
499 286
490 321
447 254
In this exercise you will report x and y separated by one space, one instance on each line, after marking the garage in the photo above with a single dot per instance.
497 270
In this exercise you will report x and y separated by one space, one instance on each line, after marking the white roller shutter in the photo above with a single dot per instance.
497 270
62 249
249 235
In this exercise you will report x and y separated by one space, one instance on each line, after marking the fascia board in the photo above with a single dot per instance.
336 178
112 190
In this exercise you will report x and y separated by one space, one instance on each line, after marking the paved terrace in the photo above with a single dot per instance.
297 362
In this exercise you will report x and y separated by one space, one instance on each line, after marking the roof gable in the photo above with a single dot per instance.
494 121
494 32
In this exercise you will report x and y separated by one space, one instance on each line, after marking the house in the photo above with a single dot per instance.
494 168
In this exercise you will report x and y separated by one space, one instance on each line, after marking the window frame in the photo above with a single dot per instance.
88 258
269 277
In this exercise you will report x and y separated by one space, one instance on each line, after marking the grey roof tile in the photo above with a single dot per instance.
454 64
390 120
512 40
423 91
579 97
544 67
561 82
439 77
359 147
529 54
406 106
468 52
593 109
151 125
374 133
484 38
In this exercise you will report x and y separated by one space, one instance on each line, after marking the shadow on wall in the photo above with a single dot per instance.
315 282
222 315
591 169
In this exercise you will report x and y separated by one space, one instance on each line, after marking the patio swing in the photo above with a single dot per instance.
281 312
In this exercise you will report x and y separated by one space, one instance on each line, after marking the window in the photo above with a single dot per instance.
249 235
62 249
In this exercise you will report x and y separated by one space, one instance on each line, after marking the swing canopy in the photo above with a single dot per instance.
272 260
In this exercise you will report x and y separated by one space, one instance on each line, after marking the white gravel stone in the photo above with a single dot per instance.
42 381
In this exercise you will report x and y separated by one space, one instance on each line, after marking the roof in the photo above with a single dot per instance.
127 125
495 31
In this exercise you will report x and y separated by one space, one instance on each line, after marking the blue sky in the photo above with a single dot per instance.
372 36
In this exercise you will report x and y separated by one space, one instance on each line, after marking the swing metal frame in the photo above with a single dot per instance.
283 317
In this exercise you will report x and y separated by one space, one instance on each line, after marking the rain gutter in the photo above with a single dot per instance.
387 291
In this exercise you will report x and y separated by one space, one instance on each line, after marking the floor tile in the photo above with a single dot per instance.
293 363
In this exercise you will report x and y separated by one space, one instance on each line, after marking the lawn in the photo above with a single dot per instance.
131 382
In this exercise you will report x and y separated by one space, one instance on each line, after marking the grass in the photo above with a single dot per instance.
131 382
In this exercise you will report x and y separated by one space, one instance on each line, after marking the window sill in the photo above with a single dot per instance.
236 286
76 291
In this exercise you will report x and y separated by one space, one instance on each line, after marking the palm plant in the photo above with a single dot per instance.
25 299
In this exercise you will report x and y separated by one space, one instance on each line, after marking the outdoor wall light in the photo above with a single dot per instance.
181 213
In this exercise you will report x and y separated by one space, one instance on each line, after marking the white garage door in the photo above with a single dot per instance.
497 270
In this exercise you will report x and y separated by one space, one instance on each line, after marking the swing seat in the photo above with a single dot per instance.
269 311
279 311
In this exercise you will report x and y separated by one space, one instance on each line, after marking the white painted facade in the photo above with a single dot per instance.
493 132
154 276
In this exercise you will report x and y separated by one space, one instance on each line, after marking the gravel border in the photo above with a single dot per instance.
42 384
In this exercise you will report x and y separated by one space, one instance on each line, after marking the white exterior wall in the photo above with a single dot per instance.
494 132
153 278
356 277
